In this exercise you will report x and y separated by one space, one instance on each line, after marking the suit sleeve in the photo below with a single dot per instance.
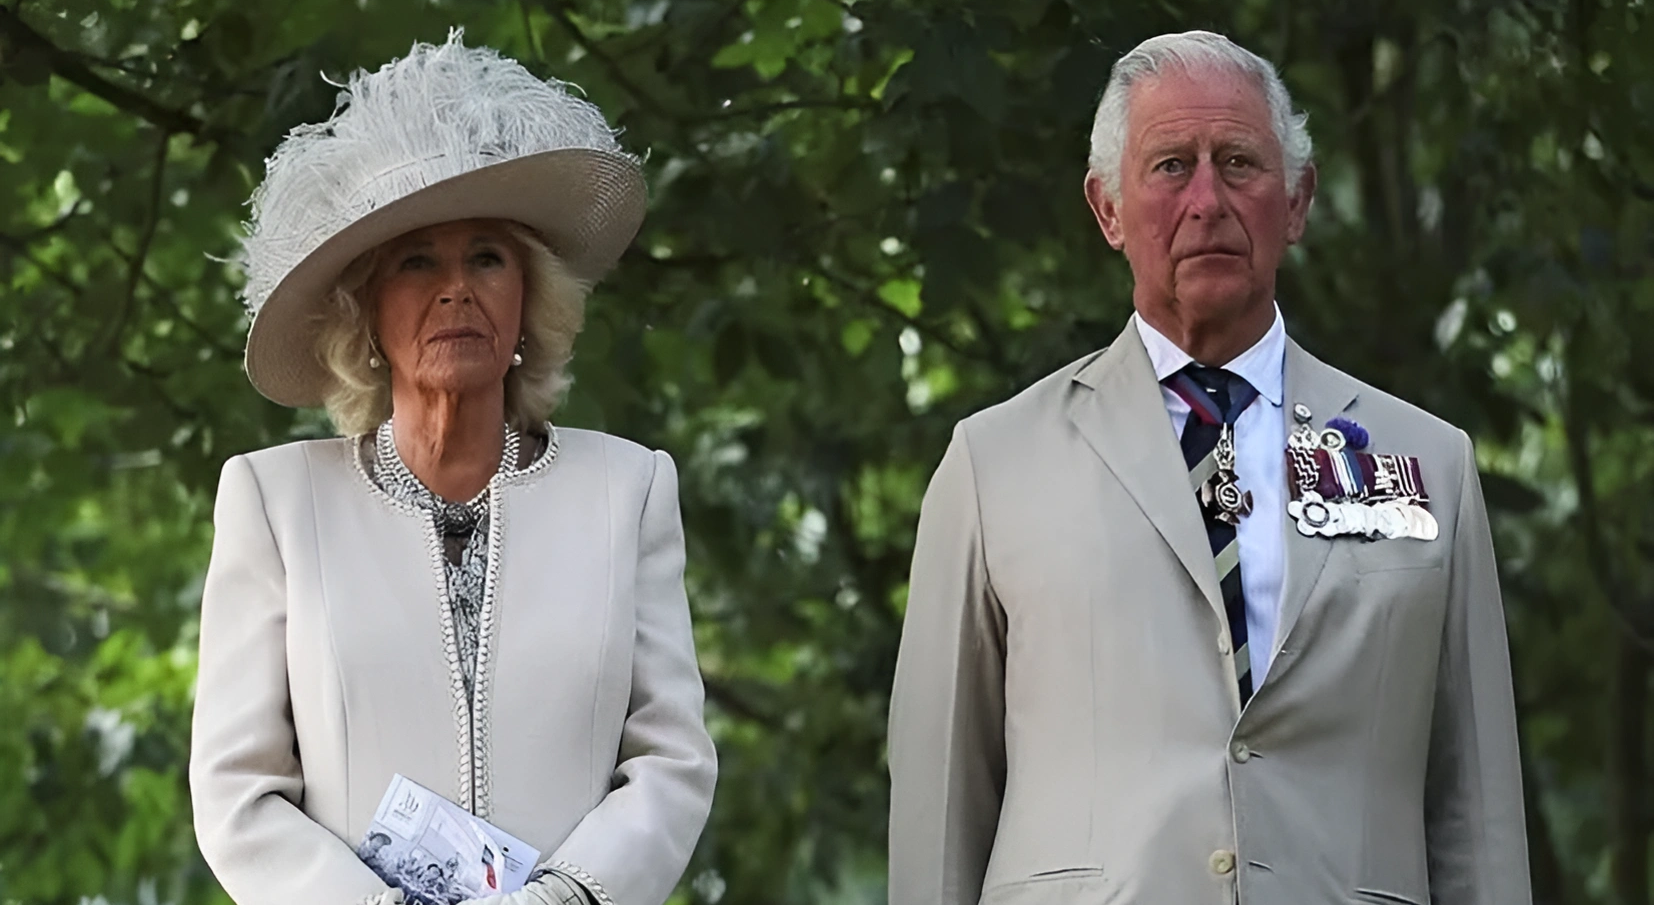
633 847
947 709
245 775
1474 823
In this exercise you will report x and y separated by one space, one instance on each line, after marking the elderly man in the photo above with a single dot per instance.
1199 618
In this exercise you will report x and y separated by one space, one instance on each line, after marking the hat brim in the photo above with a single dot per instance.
587 204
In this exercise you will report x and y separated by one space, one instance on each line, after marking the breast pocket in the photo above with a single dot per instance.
1402 554
1383 897
1054 887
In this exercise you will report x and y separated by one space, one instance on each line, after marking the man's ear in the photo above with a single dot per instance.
1105 209
1297 215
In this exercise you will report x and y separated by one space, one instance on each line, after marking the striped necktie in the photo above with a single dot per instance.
1216 398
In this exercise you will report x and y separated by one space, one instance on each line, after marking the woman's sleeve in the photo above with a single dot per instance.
633 847
245 777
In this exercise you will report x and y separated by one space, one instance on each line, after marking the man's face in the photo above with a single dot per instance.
1204 213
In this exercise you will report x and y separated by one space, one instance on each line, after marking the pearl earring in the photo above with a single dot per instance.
517 356
373 362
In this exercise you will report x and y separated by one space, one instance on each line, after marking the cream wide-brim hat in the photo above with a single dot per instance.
447 133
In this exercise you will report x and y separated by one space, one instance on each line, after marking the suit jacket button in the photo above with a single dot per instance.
1241 753
1223 862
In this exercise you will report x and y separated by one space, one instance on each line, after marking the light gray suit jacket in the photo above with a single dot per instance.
327 667
1065 725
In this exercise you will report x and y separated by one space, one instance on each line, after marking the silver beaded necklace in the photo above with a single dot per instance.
463 529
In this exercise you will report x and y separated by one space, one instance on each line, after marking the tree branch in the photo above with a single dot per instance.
53 350
845 104
990 338
726 697
559 11
69 67
50 228
528 30
703 49
1551 884
1409 69
867 571
676 262
157 381
135 266
164 297
21 248
866 298
1628 773
1577 434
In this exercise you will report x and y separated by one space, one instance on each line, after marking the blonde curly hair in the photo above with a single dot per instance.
554 309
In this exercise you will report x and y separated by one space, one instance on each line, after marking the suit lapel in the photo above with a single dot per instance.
1327 392
1117 406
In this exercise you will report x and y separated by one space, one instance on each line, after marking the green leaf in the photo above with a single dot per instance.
735 54
856 335
903 295
68 413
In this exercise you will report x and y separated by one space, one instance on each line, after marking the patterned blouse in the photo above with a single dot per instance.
463 528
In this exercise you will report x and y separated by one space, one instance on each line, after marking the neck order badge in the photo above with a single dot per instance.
1216 398
1221 495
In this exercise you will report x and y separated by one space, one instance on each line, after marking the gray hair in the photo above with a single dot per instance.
554 308
1189 51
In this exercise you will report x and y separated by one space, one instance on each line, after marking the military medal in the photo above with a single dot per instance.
1221 495
1310 512
1339 490
1303 436
1422 524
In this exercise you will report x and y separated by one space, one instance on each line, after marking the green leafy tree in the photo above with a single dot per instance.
866 222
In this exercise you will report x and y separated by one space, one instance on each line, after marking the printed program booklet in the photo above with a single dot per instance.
439 854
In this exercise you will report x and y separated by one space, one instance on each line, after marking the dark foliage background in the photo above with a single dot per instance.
866 223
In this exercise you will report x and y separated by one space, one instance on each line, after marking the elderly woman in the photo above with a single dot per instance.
454 590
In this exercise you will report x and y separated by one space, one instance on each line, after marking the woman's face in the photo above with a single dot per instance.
448 306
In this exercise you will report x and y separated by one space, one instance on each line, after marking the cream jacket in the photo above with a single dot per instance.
328 664
1065 725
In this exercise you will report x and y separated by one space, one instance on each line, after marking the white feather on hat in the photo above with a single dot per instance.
445 133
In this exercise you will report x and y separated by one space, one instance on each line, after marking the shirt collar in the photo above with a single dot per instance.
1263 365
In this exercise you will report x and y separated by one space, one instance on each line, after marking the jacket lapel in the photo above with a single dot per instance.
1117 406
1327 392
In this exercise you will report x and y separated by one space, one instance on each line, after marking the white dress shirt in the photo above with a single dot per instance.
1260 463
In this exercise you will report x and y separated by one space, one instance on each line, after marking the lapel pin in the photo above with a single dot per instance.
1354 435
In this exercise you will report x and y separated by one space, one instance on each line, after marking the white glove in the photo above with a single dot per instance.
552 888
392 896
